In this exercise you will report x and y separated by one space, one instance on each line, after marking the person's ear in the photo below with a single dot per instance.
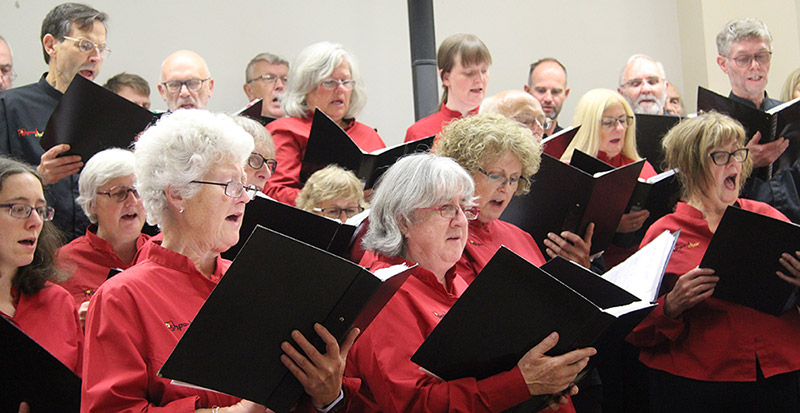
722 62
49 43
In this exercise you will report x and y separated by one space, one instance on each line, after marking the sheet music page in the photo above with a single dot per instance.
642 272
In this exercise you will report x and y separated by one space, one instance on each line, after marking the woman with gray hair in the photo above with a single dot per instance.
114 238
261 164
419 215
324 76
190 170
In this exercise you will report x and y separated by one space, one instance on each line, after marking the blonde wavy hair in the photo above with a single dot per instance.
588 114
486 137
330 182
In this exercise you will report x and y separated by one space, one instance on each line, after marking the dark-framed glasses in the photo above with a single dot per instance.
724 157
87 46
269 79
336 212
120 193
193 85
23 211
331 84
744 61
638 82
450 211
256 161
501 180
233 189
609 123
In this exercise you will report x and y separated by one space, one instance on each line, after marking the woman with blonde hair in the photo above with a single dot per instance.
333 192
791 87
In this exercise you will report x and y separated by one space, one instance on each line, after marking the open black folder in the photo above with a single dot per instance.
276 284
566 198
555 144
650 131
317 230
91 118
780 121
329 144
744 254
30 373
252 110
512 305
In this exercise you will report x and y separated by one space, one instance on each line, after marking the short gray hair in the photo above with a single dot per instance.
99 169
313 65
636 57
415 181
183 147
267 57
260 134
741 29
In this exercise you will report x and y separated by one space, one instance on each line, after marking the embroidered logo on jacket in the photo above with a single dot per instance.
21 132
173 326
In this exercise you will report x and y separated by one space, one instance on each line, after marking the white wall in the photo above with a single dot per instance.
593 39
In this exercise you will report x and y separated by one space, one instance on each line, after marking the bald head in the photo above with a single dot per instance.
6 65
519 106
185 81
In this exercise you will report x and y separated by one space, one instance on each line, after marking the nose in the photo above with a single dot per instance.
34 220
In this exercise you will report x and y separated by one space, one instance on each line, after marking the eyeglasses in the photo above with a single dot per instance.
336 212
609 123
638 82
120 193
450 211
7 72
331 84
501 180
744 61
269 78
193 85
22 211
87 46
256 161
233 189
723 157
544 123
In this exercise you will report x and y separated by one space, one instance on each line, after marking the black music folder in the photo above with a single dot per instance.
555 144
91 118
650 131
512 306
317 230
566 198
780 121
253 111
329 144
30 373
276 285
744 254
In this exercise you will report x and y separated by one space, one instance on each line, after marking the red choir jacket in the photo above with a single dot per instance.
381 356
89 258
433 124
485 239
716 340
291 137
50 318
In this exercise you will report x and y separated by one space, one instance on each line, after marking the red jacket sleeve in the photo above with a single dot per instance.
284 184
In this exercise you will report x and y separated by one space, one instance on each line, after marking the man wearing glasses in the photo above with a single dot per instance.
186 82
7 74
73 40
744 48
643 84
265 79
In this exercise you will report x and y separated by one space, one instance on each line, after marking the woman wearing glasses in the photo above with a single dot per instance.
333 192
501 156
261 164
113 240
190 174
707 354
419 216
326 77
28 298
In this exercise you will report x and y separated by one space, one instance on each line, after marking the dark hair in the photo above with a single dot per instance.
30 278
58 21
135 82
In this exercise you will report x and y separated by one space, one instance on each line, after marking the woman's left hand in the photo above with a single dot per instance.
792 265
632 221
320 374
570 246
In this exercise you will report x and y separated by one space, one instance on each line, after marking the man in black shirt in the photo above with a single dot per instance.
547 82
74 43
